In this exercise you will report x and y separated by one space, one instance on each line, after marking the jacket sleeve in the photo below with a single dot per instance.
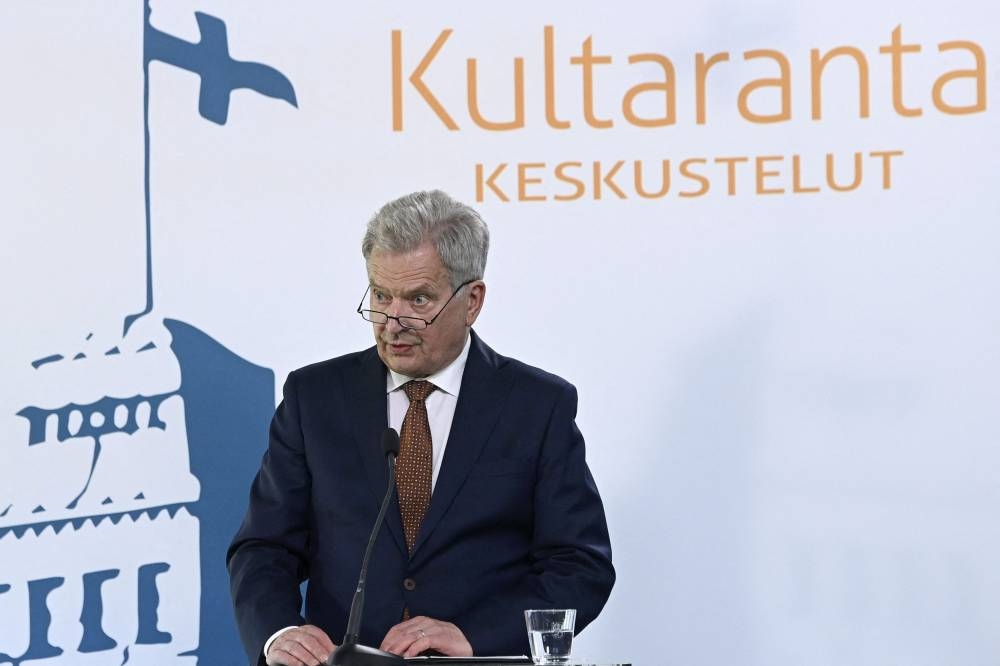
571 550
267 558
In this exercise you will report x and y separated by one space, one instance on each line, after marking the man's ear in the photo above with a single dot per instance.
475 300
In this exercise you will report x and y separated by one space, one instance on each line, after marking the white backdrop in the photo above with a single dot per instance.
789 392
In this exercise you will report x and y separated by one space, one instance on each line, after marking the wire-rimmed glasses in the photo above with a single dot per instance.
407 322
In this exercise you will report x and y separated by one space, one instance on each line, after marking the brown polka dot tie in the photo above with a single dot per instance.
413 468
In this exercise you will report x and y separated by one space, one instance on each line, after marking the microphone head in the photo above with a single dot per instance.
390 443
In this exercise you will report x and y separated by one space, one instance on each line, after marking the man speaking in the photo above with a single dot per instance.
495 510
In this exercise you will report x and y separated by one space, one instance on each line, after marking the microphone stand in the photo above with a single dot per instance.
350 652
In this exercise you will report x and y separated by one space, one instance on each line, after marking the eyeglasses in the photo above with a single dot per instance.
411 323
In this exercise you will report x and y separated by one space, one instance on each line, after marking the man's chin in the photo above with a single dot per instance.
404 363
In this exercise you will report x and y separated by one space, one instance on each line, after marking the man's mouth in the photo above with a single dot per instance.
399 347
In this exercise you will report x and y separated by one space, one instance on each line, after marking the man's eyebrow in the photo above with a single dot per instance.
426 289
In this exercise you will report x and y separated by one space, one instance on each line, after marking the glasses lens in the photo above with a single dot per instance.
412 323
374 316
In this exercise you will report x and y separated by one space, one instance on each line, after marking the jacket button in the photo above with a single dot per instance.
409 584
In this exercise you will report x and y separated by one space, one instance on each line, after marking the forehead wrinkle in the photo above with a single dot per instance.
420 265
420 274
420 280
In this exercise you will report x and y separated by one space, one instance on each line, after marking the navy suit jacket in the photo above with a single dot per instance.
515 520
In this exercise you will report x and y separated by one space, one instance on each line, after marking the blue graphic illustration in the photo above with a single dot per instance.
229 405
220 74
143 475
94 639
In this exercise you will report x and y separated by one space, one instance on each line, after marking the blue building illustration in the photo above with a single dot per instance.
136 475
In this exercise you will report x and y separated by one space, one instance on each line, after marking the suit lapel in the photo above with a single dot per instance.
370 421
485 386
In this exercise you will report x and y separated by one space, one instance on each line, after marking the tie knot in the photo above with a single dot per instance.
417 390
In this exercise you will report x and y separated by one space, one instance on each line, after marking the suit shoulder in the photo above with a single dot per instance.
524 375
332 367
536 379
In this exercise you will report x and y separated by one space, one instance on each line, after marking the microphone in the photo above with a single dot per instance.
350 653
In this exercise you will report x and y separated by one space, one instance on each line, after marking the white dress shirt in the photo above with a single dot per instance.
440 404
440 413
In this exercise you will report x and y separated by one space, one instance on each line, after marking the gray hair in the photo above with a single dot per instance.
458 233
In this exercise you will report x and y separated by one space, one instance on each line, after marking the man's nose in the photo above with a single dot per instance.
392 324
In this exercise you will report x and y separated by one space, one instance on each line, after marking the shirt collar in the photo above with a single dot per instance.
447 379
